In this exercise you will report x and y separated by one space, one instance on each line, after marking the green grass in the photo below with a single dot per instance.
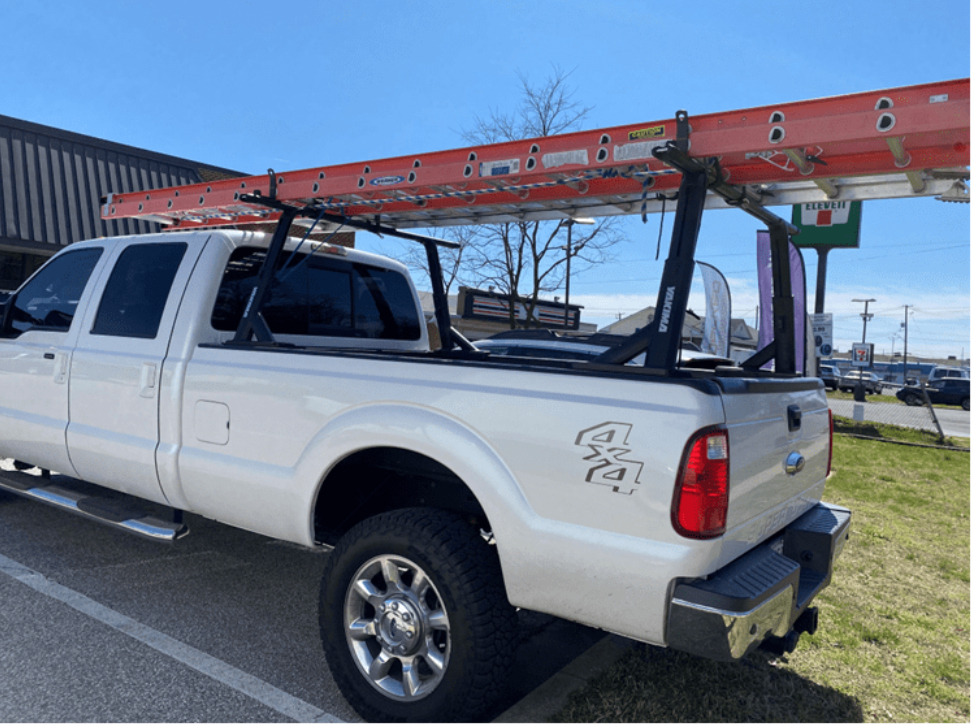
894 638
896 433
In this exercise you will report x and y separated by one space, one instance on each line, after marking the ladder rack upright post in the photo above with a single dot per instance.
252 321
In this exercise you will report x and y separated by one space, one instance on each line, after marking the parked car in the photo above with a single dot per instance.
941 373
873 384
830 376
941 392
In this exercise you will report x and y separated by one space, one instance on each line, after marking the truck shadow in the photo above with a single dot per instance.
544 646
660 685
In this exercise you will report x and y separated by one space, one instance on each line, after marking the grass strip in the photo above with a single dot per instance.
896 433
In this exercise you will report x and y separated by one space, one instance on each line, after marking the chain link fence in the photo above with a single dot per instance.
944 421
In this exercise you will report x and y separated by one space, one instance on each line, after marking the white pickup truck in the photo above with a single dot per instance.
681 510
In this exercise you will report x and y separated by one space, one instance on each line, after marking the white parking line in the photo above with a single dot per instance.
263 692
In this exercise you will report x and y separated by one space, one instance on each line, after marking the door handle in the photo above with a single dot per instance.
148 380
794 417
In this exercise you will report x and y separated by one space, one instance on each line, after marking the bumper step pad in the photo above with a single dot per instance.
762 593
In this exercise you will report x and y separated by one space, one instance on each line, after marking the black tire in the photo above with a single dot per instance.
429 592
914 400
966 404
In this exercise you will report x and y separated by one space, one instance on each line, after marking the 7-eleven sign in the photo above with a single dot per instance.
828 224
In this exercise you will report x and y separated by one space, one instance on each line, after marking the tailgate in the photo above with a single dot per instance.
779 441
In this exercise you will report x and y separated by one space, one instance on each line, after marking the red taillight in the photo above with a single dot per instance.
830 449
700 507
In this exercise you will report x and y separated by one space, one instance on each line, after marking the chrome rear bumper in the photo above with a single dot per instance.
761 594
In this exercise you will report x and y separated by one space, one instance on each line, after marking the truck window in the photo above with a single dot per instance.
50 299
310 301
385 306
137 291
320 297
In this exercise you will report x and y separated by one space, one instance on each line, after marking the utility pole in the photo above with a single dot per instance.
859 390
905 358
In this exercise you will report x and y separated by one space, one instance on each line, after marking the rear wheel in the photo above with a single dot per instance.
966 404
414 618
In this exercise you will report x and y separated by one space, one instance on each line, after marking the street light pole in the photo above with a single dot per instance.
569 223
865 317
859 390
568 272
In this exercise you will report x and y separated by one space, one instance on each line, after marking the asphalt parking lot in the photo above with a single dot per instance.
99 625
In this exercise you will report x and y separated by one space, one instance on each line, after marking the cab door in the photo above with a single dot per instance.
116 369
42 321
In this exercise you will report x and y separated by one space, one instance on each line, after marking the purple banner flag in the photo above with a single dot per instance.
798 286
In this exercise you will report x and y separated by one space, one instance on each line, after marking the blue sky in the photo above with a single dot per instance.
291 84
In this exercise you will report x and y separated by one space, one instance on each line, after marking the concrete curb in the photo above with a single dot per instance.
551 696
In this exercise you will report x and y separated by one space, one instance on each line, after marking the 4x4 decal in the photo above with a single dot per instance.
608 466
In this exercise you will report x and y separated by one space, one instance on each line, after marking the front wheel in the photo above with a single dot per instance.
914 400
966 404
414 618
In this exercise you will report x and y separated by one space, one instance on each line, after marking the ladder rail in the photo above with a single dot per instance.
905 131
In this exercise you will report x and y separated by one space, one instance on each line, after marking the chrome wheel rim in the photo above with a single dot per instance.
397 628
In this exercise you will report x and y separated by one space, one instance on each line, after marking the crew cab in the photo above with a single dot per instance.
682 511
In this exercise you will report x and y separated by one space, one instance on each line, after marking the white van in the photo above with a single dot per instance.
957 373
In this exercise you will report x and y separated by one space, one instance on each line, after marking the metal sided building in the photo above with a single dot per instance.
51 182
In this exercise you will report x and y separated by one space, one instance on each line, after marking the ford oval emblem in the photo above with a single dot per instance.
794 463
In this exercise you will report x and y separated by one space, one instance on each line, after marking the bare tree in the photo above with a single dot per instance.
543 111
525 260
528 259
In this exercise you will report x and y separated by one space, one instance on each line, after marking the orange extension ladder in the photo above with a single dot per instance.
899 142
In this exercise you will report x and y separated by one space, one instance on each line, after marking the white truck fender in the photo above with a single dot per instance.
431 433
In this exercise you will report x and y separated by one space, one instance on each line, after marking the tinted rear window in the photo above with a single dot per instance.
320 297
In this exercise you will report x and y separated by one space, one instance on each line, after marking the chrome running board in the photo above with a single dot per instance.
120 513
